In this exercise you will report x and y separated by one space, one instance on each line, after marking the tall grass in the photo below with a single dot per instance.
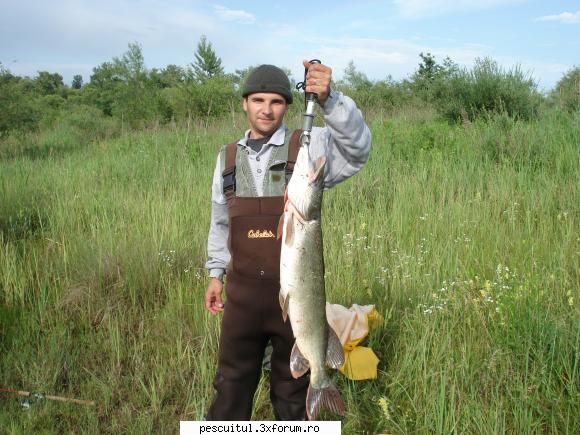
464 237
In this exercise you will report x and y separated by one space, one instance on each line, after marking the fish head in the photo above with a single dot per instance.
306 185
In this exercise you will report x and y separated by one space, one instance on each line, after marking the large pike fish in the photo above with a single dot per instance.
302 294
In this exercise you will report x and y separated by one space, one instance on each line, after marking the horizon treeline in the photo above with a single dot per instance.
124 93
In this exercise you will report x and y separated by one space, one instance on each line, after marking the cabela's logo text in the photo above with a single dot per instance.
257 234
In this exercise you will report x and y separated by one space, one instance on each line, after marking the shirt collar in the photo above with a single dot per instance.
277 138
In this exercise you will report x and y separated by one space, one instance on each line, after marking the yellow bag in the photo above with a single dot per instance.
352 326
360 364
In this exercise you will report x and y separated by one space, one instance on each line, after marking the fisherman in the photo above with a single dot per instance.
247 201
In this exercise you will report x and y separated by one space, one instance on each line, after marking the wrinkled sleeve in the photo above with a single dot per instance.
345 140
217 240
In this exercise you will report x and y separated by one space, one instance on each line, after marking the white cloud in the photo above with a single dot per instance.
564 17
100 29
377 58
420 8
234 15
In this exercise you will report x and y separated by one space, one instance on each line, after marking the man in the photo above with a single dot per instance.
247 202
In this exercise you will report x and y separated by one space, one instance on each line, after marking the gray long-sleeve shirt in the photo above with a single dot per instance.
346 142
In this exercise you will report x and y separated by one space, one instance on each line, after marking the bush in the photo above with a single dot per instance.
380 94
50 107
18 113
212 98
567 91
486 90
71 128
89 123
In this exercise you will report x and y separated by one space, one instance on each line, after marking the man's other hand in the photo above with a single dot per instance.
213 296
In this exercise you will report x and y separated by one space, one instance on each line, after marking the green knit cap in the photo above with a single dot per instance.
268 78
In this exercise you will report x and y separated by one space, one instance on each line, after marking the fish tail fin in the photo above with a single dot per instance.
324 398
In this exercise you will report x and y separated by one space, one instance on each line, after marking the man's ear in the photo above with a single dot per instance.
245 104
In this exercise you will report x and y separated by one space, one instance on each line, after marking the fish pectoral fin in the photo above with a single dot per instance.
298 364
318 169
296 213
283 305
280 230
334 351
323 398
288 228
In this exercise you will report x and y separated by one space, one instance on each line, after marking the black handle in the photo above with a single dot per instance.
308 96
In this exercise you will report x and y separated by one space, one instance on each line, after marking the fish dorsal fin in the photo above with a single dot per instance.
334 352
323 398
298 364
283 305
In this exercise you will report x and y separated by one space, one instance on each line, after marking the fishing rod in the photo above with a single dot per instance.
310 99
46 396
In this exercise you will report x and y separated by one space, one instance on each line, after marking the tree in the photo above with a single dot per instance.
428 67
124 89
355 79
240 75
430 78
136 98
105 82
47 83
169 77
207 64
77 82
131 65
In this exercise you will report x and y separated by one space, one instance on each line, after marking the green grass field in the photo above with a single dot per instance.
465 237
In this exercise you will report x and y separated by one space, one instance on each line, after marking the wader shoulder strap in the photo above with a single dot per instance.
293 148
229 172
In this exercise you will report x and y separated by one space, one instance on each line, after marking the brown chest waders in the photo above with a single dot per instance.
252 314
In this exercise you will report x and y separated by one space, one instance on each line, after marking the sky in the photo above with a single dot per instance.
382 38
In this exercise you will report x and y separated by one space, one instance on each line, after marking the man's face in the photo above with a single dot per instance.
265 113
